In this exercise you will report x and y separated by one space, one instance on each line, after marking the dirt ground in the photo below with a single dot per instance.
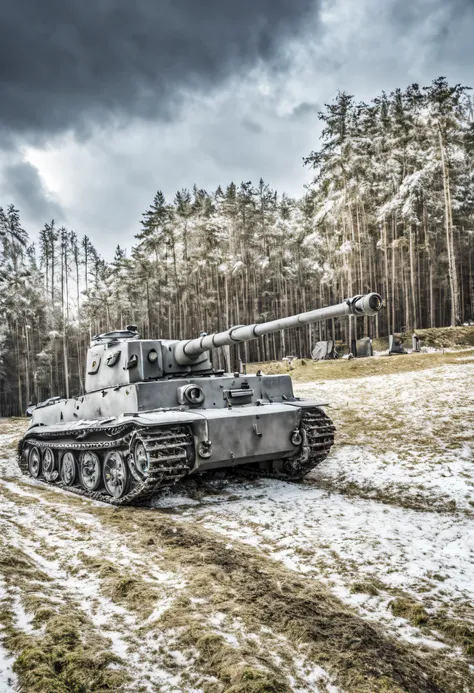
359 580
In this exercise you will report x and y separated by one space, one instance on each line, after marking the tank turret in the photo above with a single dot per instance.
121 358
155 411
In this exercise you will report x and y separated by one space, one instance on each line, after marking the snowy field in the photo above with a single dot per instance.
360 579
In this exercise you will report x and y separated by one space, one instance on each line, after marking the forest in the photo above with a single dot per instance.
390 209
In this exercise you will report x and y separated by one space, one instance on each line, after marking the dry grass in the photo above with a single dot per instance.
249 671
454 631
308 371
412 611
122 588
63 653
12 424
438 337
237 670
184 624
239 582
447 337
243 584
458 631
66 657
371 587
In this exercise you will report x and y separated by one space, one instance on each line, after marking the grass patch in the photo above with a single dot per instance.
255 681
239 669
412 611
14 424
216 658
243 584
447 337
437 337
68 657
458 631
63 653
14 563
306 371
366 587
455 631
126 589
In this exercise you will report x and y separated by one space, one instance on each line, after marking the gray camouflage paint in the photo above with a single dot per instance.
246 418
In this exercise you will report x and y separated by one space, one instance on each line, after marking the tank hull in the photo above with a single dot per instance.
284 438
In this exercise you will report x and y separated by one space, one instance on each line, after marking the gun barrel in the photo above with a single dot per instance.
187 352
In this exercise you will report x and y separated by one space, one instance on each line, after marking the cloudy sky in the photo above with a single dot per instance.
102 103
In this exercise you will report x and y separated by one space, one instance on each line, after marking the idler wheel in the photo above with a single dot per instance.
90 471
34 462
116 476
49 465
68 468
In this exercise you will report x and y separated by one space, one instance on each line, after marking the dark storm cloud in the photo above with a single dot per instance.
252 126
407 14
64 63
22 186
455 34
305 108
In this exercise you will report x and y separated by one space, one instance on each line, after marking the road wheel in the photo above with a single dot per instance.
90 470
140 460
50 470
68 468
116 476
34 462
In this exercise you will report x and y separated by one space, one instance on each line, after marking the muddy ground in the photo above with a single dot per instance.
360 579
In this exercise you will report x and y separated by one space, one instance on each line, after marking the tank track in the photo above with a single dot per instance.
318 431
169 449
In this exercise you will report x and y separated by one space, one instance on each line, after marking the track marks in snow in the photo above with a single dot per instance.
130 600
63 545
351 541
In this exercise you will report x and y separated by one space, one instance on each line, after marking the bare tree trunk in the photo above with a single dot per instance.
394 232
66 365
471 283
412 280
387 288
452 270
27 365
21 409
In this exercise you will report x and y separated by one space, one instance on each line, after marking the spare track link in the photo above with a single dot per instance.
167 448
319 431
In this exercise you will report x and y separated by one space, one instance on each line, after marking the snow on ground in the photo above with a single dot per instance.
346 541
57 536
8 681
415 442
410 434
55 544
390 513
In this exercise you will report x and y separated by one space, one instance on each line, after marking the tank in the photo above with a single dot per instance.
156 411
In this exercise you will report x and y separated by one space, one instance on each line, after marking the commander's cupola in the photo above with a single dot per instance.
130 332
